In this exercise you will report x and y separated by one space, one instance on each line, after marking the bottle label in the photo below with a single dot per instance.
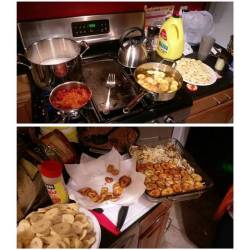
163 46
163 34
57 192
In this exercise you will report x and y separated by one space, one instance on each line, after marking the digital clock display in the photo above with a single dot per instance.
89 28
91 25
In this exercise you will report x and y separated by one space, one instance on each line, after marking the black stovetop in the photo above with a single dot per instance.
145 111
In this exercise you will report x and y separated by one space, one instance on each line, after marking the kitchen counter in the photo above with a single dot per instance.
221 84
136 220
183 103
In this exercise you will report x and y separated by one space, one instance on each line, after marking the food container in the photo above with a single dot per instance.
51 172
53 61
59 226
157 96
67 86
185 195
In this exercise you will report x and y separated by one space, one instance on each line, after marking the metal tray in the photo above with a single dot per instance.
190 195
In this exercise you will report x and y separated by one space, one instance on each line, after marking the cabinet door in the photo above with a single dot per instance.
152 237
129 239
153 225
24 112
216 108
222 113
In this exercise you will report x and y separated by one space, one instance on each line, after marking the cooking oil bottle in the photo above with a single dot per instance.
171 39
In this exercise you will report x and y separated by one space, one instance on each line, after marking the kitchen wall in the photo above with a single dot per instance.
223 21
45 10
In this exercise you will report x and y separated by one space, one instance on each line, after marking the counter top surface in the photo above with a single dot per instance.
183 99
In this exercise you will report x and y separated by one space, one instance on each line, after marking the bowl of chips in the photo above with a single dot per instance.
59 226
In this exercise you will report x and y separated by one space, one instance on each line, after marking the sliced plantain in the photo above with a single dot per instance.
84 233
36 243
62 228
77 227
81 217
35 217
52 212
42 226
23 225
76 243
68 218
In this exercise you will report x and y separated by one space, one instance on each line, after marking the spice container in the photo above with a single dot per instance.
51 172
220 63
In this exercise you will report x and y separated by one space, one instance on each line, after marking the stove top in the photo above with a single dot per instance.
98 62
95 72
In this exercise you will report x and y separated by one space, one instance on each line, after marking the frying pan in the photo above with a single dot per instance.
69 85
161 96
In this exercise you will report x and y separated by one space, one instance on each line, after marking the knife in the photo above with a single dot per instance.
122 214
105 221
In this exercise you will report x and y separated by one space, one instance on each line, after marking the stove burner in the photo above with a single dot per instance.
95 75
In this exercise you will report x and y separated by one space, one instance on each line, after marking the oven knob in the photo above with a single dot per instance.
168 119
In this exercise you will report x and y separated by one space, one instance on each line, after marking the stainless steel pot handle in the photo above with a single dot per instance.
19 56
86 45
134 101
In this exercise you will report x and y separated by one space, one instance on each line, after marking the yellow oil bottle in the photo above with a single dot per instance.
171 39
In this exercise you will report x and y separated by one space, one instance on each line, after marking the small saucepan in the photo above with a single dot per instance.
69 97
158 79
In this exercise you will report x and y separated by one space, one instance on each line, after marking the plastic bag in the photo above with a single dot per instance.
196 24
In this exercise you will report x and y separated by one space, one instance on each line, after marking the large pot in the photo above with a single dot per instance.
54 61
157 96
133 51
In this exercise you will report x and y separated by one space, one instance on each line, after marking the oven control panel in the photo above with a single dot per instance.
87 28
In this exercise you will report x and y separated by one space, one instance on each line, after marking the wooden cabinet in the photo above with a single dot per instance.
148 232
129 239
24 110
153 226
216 108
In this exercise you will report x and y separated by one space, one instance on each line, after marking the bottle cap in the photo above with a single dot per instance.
51 168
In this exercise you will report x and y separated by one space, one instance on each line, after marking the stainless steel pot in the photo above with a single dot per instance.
54 61
132 52
67 85
162 96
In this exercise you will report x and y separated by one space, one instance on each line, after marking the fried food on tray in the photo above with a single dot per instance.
165 170
124 181
56 226
169 180
155 192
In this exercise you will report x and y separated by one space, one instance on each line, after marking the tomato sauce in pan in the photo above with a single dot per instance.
70 98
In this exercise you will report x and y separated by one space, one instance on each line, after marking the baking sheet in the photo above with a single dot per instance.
91 172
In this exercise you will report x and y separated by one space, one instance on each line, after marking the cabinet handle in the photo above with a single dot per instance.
152 225
168 225
217 101
227 96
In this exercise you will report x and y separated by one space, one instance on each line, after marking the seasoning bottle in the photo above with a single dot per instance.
51 172
220 63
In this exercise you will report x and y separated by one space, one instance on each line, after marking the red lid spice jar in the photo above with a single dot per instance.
51 172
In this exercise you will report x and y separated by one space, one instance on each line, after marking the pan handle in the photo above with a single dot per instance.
20 62
134 101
